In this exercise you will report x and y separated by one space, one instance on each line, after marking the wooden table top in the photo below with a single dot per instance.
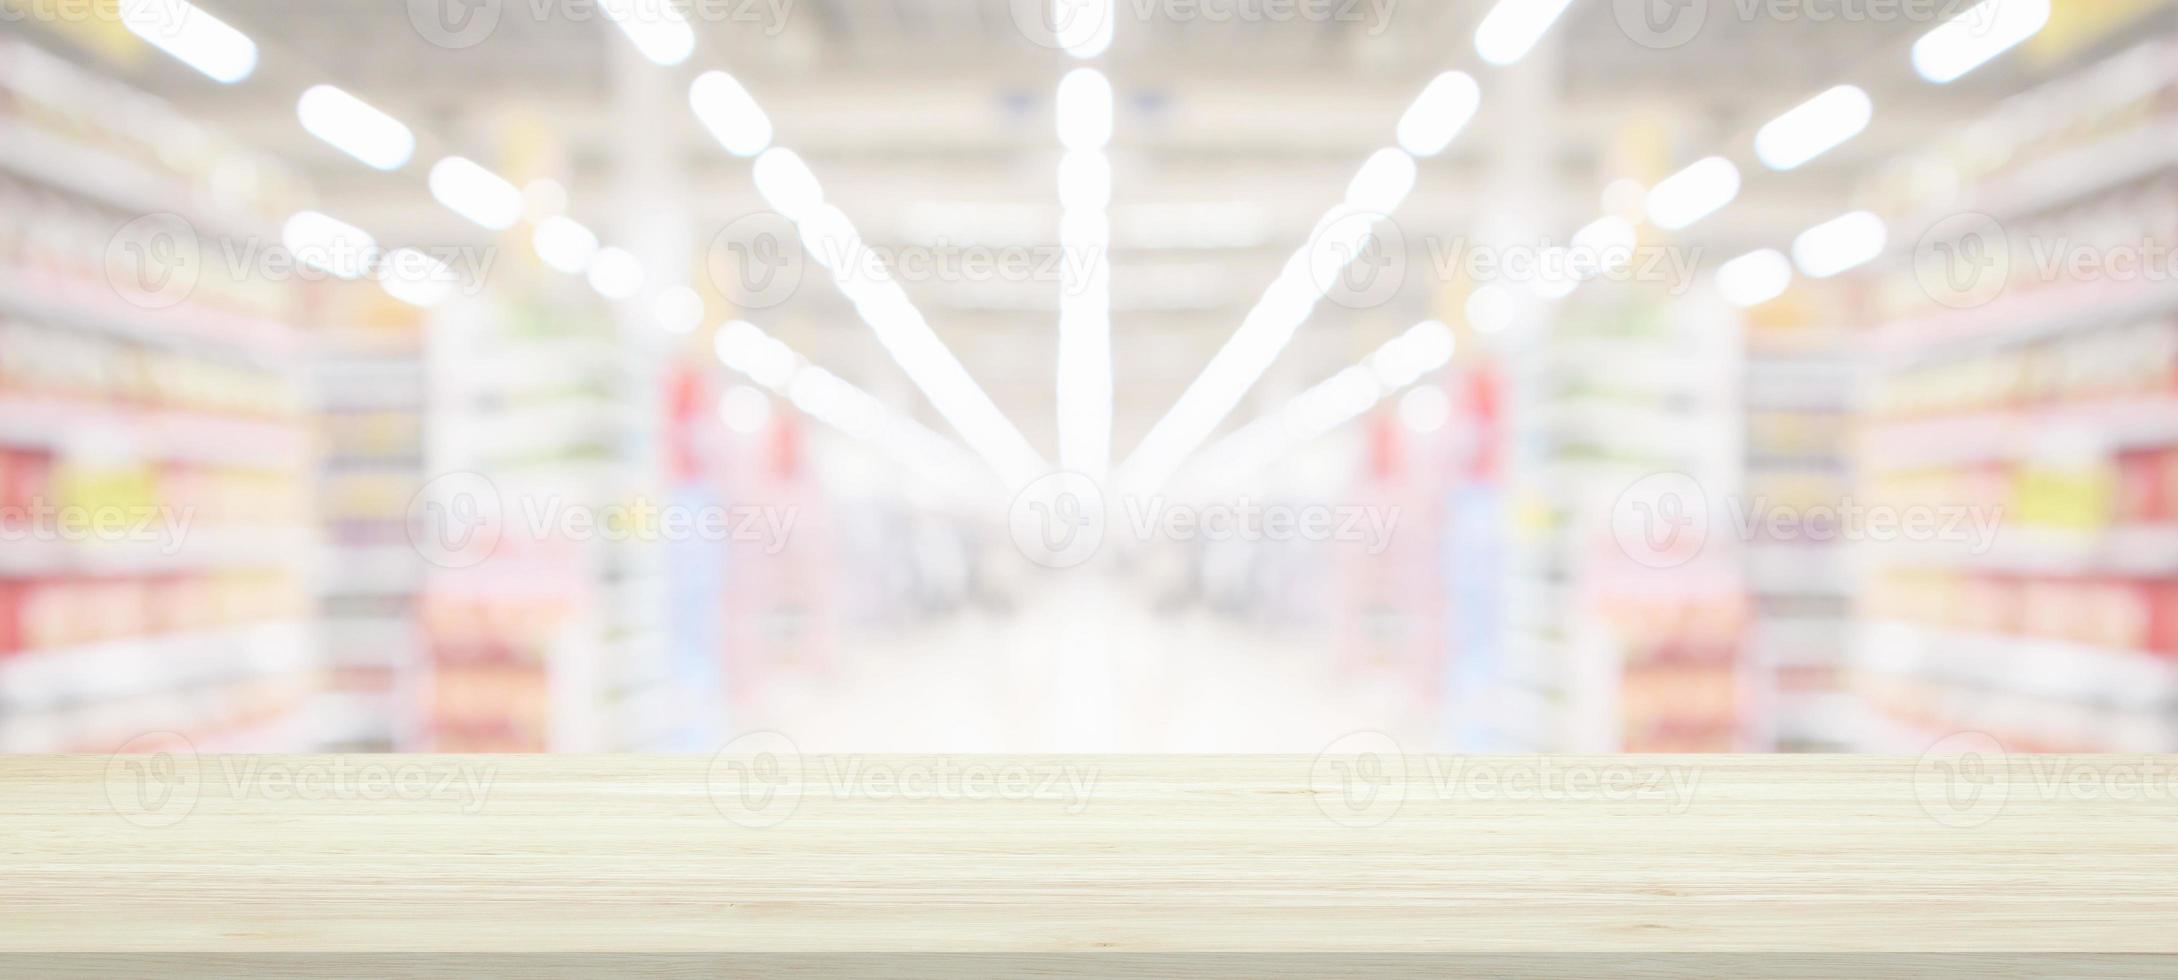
1235 865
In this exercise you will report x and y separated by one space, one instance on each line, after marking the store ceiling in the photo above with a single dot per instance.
930 120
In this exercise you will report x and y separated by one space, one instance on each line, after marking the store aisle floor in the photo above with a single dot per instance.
1084 668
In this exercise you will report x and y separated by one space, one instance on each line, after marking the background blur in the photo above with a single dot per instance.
1576 375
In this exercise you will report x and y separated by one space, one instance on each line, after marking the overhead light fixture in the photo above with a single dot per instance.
787 184
1085 181
730 113
416 278
1439 113
1511 29
744 410
1754 278
564 244
1383 182
1813 128
464 187
193 37
678 309
355 127
1839 245
657 29
329 244
1977 35
1610 241
616 273
1491 308
1700 190
1084 109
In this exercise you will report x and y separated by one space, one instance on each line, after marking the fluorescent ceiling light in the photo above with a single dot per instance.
469 190
1491 308
356 128
1754 278
330 244
744 410
1700 190
1971 39
1383 183
1439 113
1511 29
730 113
787 183
1839 244
616 273
1085 181
416 278
658 30
564 244
1813 128
193 37
678 309
1084 109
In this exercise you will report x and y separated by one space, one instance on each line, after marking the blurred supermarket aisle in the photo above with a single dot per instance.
1509 376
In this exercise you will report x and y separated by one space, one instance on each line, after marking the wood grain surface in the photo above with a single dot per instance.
1677 865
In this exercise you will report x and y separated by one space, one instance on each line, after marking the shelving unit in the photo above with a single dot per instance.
2051 404
1584 427
180 413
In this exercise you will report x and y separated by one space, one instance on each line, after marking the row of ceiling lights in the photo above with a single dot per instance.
1505 35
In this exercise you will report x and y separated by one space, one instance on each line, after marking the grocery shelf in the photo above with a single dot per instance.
69 425
2150 551
2063 432
2013 320
2047 668
212 333
33 154
122 668
203 549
